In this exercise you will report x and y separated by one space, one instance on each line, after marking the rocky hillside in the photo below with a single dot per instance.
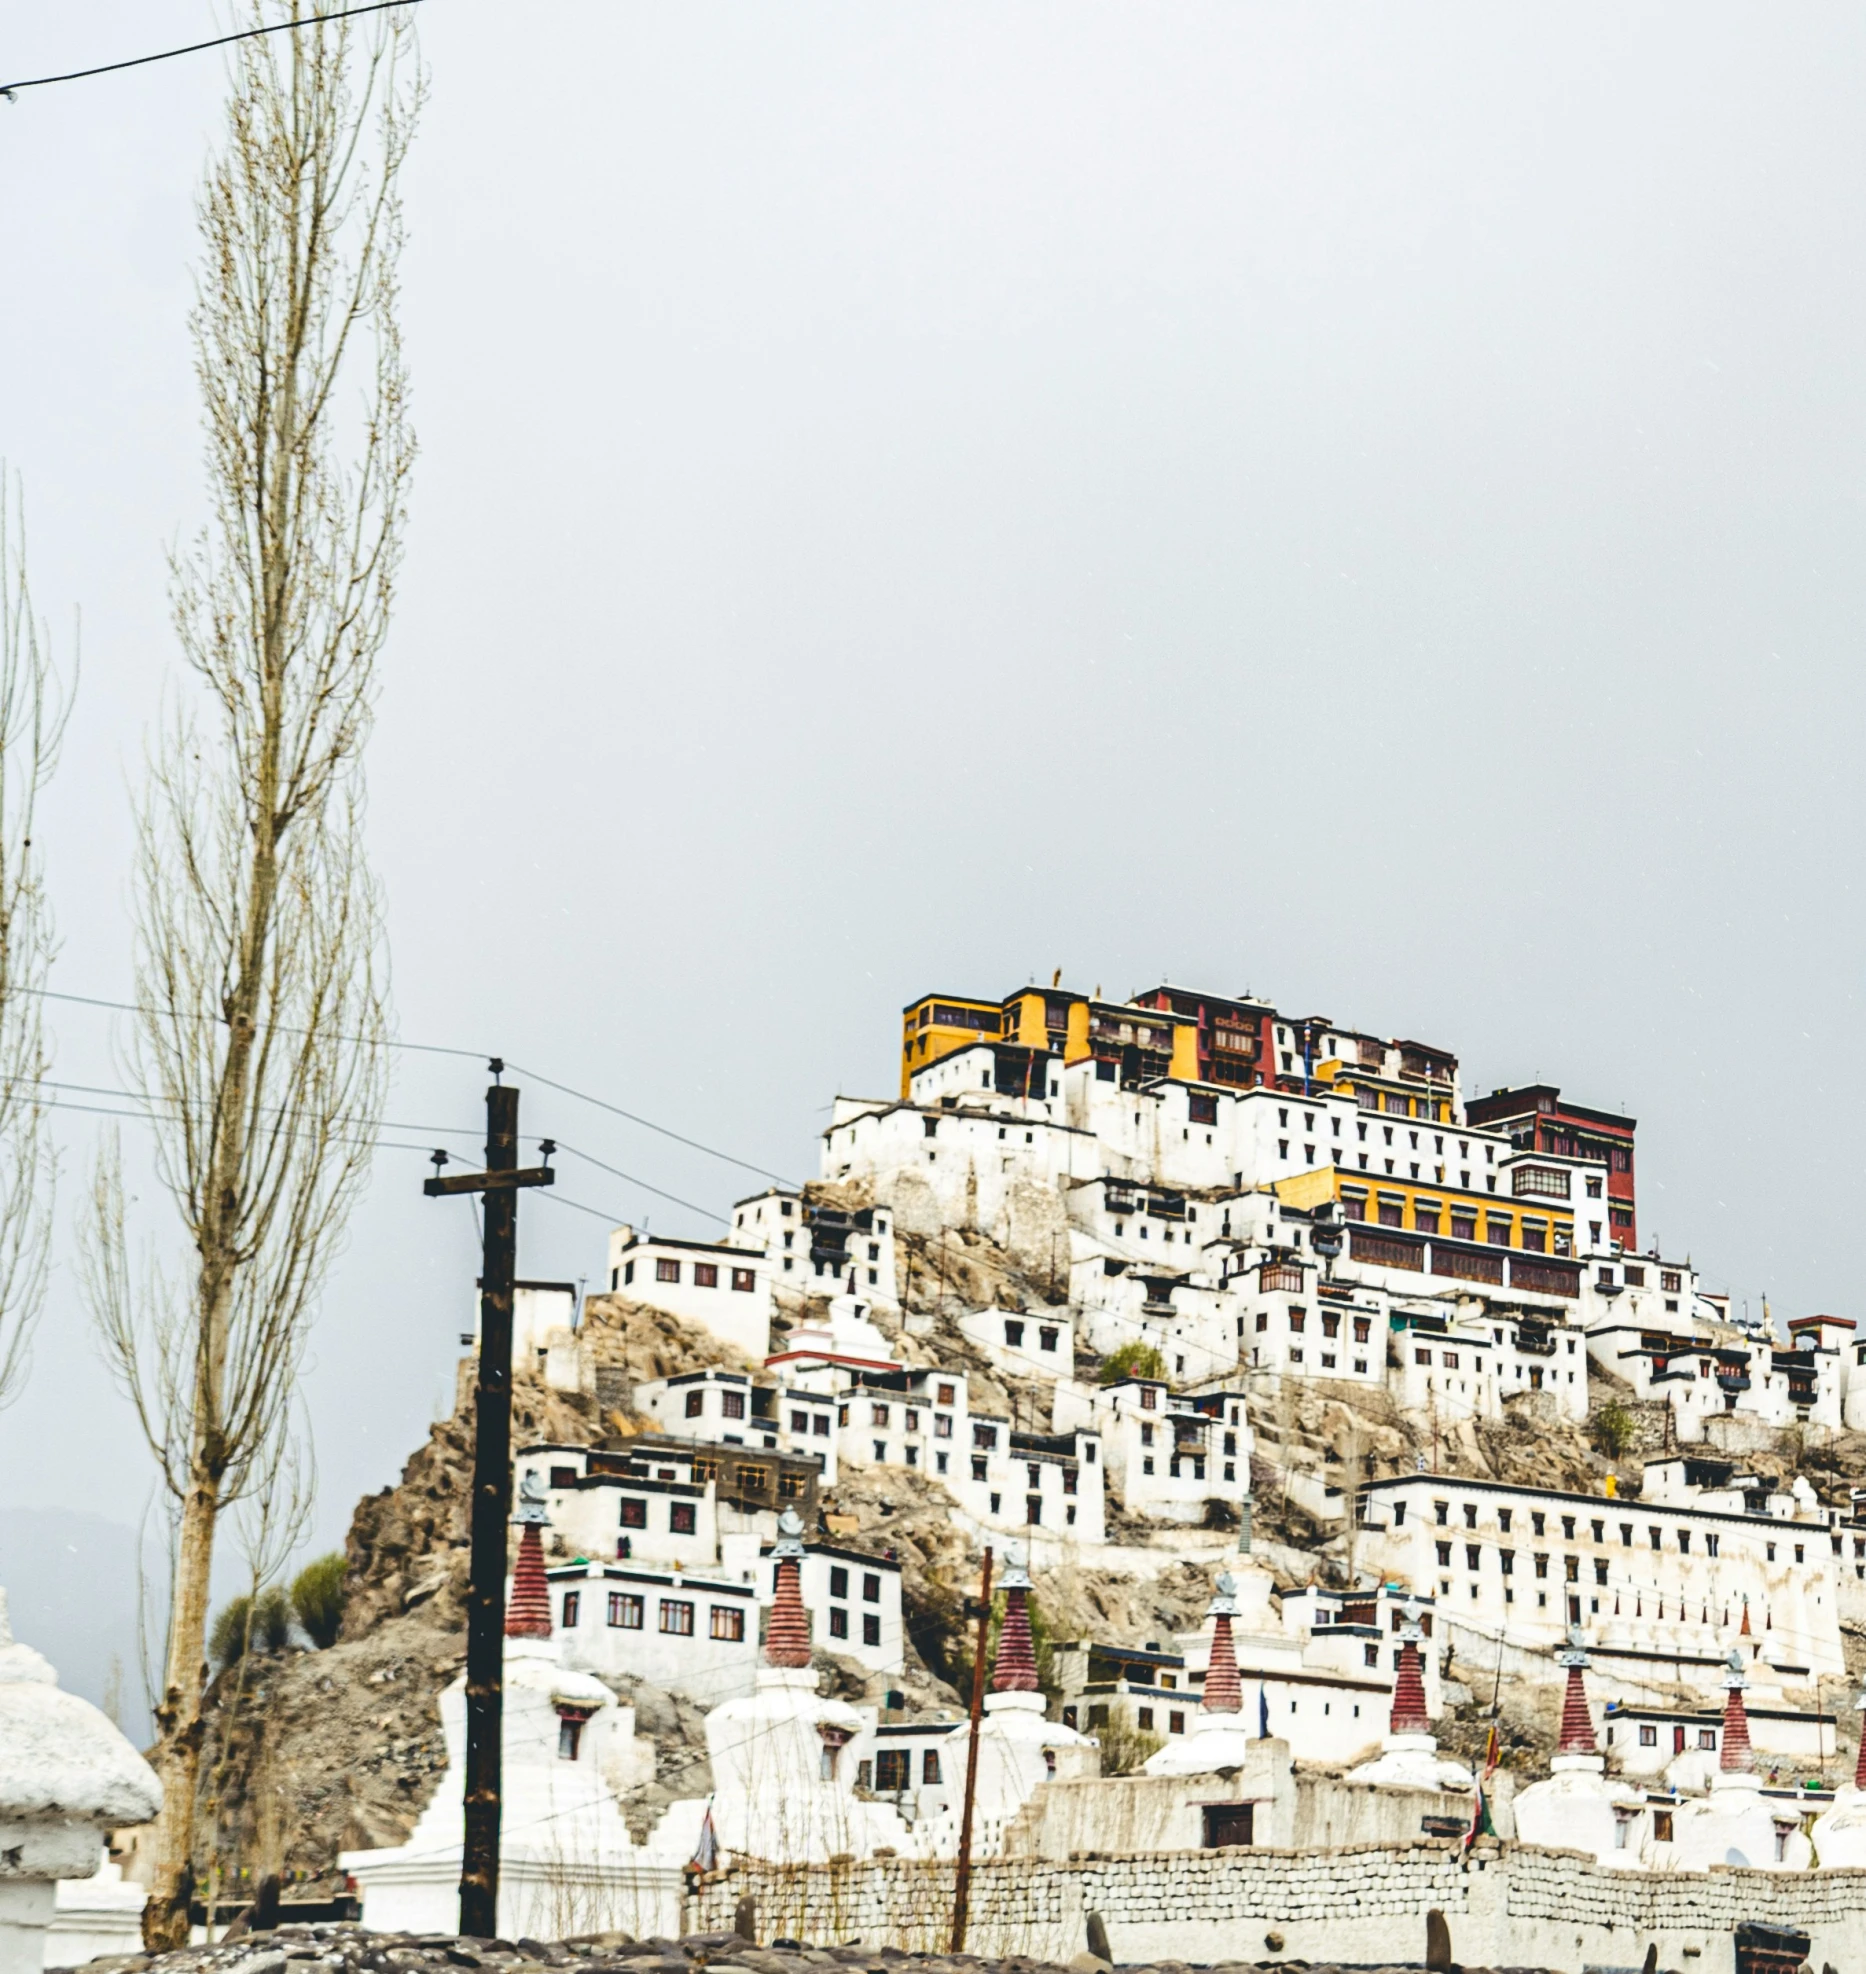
313 1753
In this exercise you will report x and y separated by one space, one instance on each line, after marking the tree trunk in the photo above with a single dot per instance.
179 1724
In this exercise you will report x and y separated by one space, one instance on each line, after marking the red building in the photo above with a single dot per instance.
1237 1040
1537 1120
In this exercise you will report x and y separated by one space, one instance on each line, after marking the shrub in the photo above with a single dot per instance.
1125 1749
317 1599
1132 1360
1612 1427
265 1622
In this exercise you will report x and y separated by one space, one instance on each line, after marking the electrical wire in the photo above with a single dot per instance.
197 47
468 1055
616 1172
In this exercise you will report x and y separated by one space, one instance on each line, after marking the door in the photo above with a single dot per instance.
1227 1825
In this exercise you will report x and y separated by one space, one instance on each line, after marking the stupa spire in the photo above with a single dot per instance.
1577 1724
1224 1691
528 1610
1736 1757
1409 1715
1014 1670
787 1637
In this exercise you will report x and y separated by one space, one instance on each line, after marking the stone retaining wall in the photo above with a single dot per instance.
1516 1907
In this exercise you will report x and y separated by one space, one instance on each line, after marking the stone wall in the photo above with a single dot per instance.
1517 1907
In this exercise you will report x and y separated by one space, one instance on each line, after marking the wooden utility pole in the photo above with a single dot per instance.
499 1185
962 1889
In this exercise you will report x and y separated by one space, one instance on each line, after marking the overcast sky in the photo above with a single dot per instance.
1358 503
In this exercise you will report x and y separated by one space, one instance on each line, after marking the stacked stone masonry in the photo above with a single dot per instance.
1512 1907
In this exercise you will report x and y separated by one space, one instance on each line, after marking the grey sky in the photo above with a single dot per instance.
1358 503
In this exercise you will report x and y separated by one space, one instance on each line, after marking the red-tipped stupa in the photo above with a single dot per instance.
787 1636
1577 1724
528 1613
1409 1714
1015 1668
1224 1691
1737 1756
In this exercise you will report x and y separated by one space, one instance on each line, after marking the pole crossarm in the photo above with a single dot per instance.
489 1182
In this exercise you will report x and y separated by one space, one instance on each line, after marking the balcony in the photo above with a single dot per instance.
1732 1381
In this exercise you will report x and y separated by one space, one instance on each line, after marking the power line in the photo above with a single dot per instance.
616 1172
196 47
693 1144
468 1055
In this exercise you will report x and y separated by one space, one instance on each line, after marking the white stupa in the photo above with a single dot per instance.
782 1790
67 1774
1576 1808
568 1755
1019 1750
1219 1738
1840 1833
1409 1757
1736 1823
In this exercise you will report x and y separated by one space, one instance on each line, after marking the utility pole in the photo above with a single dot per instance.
499 1186
962 1888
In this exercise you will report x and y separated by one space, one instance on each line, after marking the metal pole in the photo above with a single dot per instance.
962 1888
492 1510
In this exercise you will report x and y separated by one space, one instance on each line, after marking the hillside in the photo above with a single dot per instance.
313 1753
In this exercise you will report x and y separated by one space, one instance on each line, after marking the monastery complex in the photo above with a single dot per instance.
1197 1222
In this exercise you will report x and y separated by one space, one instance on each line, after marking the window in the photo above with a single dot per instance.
942 1425
878 1415
1046 1336
838 1622
985 1437
1444 1555
1648 1736
929 1768
1175 1722
1671 1281
1571 1567
800 1422
1712 1544
1143 1719
1013 1335
666 1271
1503 1519
1297 1318
1506 1561
569 1737
871 1628
1542 1565
573 1604
732 1404
677 1617
1684 1542
871 1589
948 1395
728 1622
624 1611
705 1275
634 1512
742 1279
1496 1232
1707 1737
682 1517
1472 1556
1567 1528
696 1404
891 1770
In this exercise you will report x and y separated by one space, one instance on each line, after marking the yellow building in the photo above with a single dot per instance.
1138 1044
1373 1091
1445 1213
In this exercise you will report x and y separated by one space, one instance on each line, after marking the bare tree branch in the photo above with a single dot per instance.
34 706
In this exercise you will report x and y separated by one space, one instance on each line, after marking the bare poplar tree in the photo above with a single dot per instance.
33 709
260 958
